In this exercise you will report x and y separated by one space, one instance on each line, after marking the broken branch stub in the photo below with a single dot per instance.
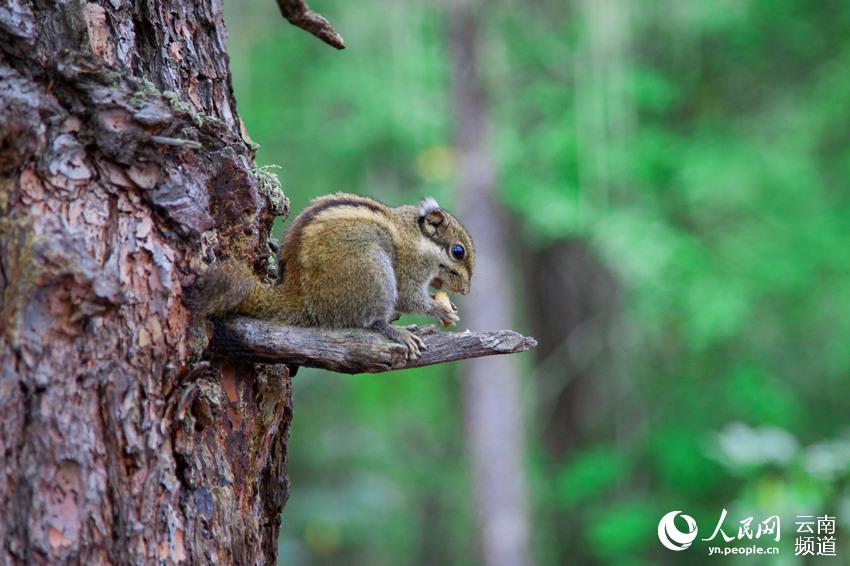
299 14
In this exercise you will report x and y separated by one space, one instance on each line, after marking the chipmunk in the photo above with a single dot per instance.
349 261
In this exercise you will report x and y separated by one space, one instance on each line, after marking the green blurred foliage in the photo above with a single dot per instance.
700 148
589 474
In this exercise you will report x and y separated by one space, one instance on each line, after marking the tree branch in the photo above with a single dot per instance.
299 14
354 350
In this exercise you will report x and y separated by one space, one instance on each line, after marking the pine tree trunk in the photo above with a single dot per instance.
122 172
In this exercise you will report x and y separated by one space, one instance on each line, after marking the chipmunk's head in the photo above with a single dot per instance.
450 235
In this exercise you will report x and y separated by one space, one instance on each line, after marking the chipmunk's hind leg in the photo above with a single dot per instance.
353 284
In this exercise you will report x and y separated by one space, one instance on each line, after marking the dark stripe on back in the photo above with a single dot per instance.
307 216
311 213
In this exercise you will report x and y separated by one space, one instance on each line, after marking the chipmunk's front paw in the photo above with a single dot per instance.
444 310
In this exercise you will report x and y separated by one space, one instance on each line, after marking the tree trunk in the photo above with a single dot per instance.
576 306
122 172
492 400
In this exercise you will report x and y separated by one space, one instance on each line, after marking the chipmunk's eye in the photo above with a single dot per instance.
458 251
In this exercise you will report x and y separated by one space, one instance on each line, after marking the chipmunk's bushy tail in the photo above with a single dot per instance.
221 289
229 288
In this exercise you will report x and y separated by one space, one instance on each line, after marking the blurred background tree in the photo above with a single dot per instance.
677 179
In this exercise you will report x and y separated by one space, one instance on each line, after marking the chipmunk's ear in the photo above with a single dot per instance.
432 219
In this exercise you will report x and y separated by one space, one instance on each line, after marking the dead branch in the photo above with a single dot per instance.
354 350
299 14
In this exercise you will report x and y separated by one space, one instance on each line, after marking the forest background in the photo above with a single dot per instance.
676 178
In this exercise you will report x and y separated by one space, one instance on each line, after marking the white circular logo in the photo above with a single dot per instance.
670 535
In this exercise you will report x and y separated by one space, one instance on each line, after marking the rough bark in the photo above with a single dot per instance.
354 350
492 400
122 171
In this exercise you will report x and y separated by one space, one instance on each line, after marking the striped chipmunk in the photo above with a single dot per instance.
349 261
